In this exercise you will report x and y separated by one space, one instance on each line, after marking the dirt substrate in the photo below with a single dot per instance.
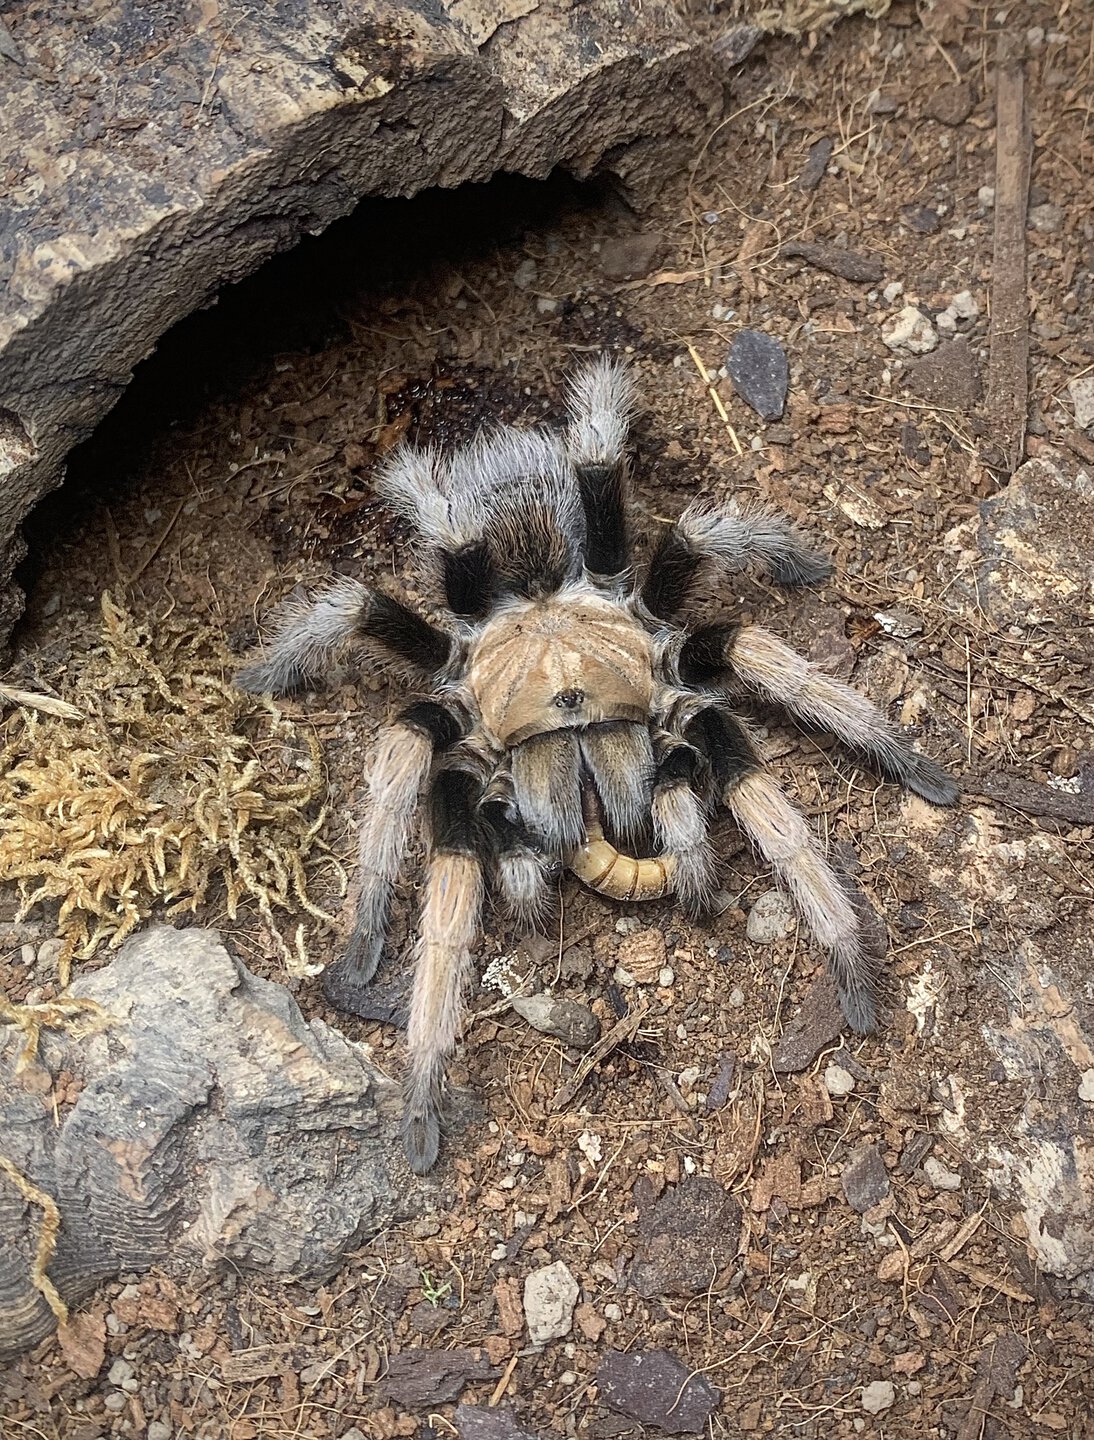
859 1245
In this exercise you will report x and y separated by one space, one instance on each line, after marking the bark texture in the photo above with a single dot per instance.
207 1122
153 152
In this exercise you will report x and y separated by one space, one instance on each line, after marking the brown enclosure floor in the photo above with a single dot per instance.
228 476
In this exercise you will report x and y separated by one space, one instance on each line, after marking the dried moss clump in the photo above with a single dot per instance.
172 788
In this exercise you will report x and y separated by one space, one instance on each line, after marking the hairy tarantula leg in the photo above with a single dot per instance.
521 872
781 835
603 868
759 661
449 928
400 765
310 633
729 538
601 401
680 827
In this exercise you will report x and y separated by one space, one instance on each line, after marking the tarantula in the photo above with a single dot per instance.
574 718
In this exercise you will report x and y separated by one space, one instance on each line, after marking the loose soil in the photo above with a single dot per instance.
240 465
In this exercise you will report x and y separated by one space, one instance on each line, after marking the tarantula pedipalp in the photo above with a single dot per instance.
575 719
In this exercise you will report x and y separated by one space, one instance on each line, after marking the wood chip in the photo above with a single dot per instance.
1008 367
618 1035
835 260
1034 799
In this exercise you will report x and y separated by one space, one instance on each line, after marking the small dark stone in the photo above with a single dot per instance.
654 1388
820 152
920 218
758 367
835 260
630 257
692 1228
722 1083
421 1378
952 104
429 1319
865 1179
479 1422
819 1023
949 376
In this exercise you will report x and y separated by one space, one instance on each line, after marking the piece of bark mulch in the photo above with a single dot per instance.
816 163
654 1388
835 260
1033 799
684 1238
424 1377
952 104
819 1022
865 1179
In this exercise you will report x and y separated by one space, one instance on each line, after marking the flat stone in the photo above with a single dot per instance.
480 1422
939 1176
687 1233
550 1295
1047 219
838 1081
758 367
819 1022
421 1378
865 1179
569 1020
630 257
654 1388
1082 399
920 218
951 104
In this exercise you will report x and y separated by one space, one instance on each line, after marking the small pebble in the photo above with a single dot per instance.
878 1396
159 1430
964 305
687 1078
985 197
1082 399
1046 219
665 976
525 274
910 331
736 997
891 291
612 1312
939 1176
771 918
591 1146
120 1372
116 1400
838 1081
550 1295
1086 1087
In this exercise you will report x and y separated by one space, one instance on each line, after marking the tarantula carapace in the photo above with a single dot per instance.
575 716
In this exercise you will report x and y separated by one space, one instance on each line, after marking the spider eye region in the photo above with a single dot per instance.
570 699
560 665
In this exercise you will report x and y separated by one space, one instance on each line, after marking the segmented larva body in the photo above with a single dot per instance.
603 868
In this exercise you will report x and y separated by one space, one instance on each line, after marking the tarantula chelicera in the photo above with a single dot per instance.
575 716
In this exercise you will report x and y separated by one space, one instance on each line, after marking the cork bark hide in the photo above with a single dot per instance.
153 151
206 1123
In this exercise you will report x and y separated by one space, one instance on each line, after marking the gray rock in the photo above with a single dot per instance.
479 1422
1047 219
878 1396
911 330
231 1111
865 1179
939 1176
555 1015
771 918
158 1430
1082 398
951 104
949 377
550 1295
654 1388
758 367
838 1081
630 257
